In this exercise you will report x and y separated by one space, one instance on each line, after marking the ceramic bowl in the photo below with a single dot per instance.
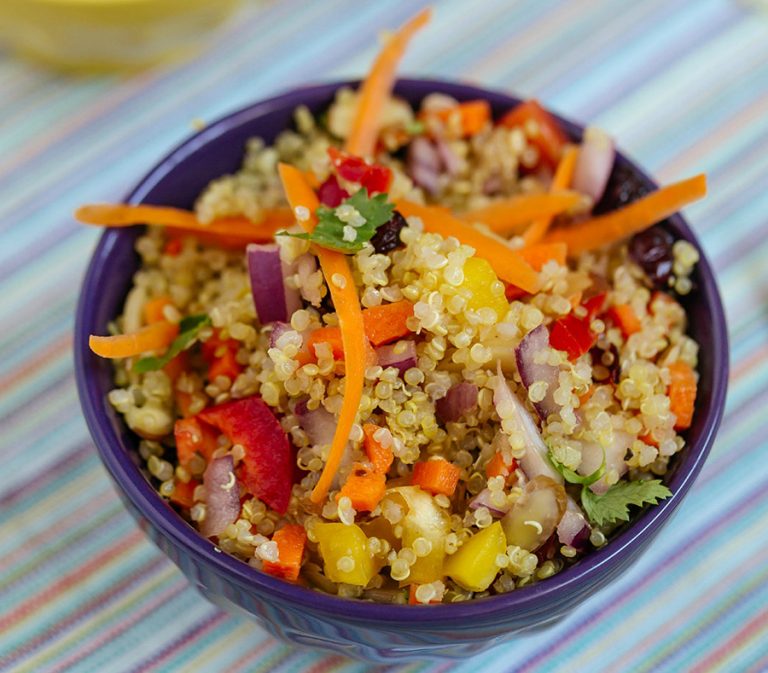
371 631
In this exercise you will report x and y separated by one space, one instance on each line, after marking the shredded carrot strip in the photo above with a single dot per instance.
153 309
155 337
341 284
507 216
507 263
234 229
541 253
628 220
561 180
377 87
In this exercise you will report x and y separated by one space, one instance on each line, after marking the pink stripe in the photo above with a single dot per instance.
697 539
158 599
252 654
740 638
28 488
175 645
70 580
96 603
82 522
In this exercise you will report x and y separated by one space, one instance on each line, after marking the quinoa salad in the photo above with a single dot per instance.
410 354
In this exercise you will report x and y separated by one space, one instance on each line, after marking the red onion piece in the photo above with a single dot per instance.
592 457
222 496
573 529
534 462
448 158
397 355
458 401
534 342
278 329
274 300
483 499
594 163
424 164
319 424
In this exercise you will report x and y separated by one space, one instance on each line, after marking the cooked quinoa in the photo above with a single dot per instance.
613 420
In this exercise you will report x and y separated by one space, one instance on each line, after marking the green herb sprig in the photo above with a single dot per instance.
189 328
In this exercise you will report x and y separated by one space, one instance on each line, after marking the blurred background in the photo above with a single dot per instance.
94 92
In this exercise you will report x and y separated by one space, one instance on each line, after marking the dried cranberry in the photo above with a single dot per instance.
330 193
652 251
387 236
624 186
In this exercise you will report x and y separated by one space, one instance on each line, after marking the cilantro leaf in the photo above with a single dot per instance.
573 477
329 231
189 328
613 505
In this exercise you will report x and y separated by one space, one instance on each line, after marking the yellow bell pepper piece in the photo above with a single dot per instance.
486 288
474 566
345 553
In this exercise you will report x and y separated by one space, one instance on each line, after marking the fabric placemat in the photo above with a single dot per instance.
681 84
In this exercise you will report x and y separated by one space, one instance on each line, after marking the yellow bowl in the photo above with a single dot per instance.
108 34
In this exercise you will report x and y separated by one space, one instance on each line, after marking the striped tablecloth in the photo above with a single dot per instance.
683 86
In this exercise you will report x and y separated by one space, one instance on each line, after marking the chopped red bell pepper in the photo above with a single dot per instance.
330 193
595 305
268 460
572 335
549 138
374 177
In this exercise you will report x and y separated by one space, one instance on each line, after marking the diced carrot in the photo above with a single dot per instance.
155 337
541 253
381 457
542 129
377 88
508 216
649 439
682 393
436 476
153 309
365 487
291 540
614 226
472 115
412 596
194 437
327 335
561 180
508 265
387 322
623 316
496 467
585 397
225 365
184 493
231 229
349 312
183 402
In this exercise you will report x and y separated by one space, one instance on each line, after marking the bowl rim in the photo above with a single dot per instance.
144 497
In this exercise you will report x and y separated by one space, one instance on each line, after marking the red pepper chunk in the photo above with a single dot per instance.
374 177
572 335
268 460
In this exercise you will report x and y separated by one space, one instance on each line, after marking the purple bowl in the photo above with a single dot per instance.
370 631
